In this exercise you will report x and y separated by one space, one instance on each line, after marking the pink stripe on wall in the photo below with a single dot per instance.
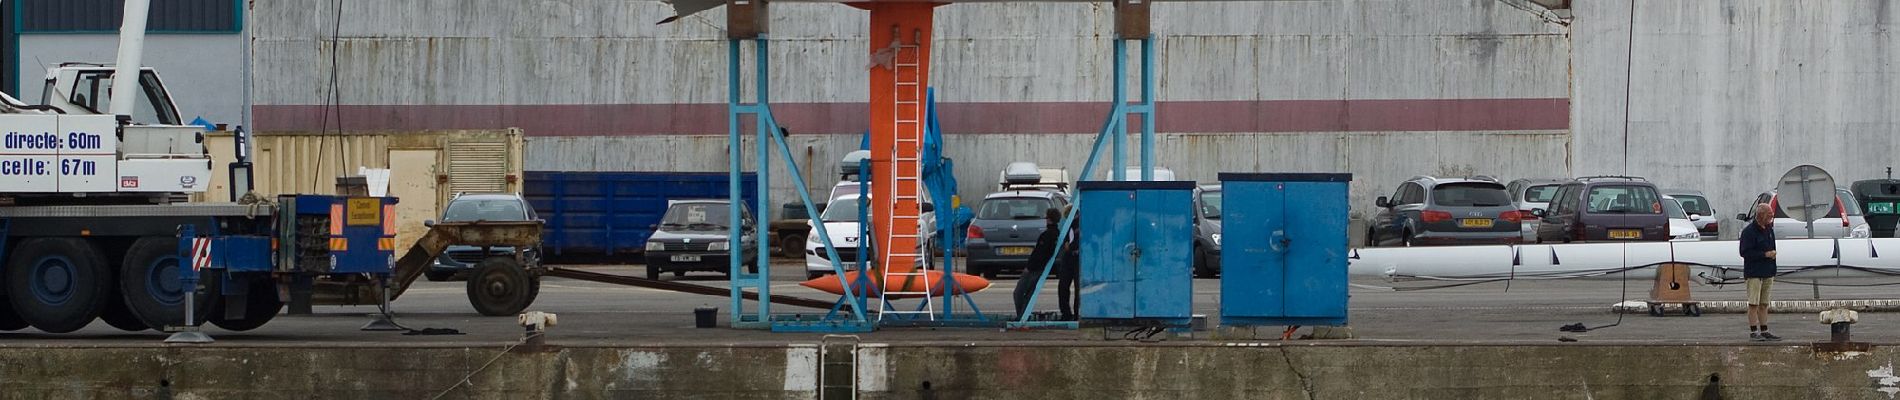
1018 117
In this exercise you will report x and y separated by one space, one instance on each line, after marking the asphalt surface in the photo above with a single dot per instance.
601 314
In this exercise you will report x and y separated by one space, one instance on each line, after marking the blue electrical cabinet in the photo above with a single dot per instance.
1284 249
1136 243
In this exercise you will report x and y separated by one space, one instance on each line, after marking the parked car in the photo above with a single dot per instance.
456 261
1530 194
1845 220
1701 212
1005 229
840 219
1604 208
1680 229
1207 203
693 236
1439 211
788 231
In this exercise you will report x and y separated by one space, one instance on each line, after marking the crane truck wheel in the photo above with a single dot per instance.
10 320
260 305
499 286
148 279
58 284
119 315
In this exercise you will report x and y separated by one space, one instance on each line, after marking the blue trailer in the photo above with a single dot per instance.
609 215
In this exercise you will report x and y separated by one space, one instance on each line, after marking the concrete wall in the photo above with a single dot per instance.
955 371
1386 89
204 72
1728 95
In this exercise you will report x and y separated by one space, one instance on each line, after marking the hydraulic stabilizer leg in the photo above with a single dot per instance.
385 320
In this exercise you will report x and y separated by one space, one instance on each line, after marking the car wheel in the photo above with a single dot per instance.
439 276
653 272
1372 240
792 246
1406 240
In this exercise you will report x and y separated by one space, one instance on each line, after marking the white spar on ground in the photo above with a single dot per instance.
1797 258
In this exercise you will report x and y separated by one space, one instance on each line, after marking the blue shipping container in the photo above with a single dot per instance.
609 214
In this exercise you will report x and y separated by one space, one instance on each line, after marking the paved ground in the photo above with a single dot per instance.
601 314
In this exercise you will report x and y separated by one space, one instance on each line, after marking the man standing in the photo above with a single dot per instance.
1758 268
1033 270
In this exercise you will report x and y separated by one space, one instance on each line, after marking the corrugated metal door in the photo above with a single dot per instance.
478 166
1252 272
1164 234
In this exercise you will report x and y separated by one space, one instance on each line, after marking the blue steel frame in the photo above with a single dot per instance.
1116 128
766 136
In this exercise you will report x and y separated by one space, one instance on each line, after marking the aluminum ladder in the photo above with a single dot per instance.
901 247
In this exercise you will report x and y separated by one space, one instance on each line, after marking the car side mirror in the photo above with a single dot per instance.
930 207
1382 202
1695 217
428 223
541 221
1742 217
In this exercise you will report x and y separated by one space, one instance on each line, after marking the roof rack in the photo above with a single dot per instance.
1596 177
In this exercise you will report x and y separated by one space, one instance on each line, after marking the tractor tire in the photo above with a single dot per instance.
260 306
58 285
499 287
151 289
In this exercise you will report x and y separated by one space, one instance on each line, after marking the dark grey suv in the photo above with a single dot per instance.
457 261
1005 229
1442 211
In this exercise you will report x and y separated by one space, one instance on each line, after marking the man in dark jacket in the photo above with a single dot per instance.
1758 268
1068 268
1033 270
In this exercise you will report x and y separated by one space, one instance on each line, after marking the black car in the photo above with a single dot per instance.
694 236
1439 211
1207 231
1604 208
456 261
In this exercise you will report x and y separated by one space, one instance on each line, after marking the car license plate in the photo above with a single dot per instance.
1015 251
1474 223
1626 233
685 258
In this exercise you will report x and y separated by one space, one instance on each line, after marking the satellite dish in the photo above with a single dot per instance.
1805 193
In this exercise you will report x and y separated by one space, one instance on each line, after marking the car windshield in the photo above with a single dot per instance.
697 215
1013 208
1470 194
841 210
1694 204
1541 194
1210 204
1624 199
485 210
1673 208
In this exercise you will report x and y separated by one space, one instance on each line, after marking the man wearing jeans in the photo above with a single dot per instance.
1758 268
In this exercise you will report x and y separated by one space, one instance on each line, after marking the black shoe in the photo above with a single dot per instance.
1769 337
1755 337
1576 327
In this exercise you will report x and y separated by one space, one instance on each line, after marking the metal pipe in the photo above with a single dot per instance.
125 82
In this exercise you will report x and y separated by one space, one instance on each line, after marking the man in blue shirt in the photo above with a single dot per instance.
1758 269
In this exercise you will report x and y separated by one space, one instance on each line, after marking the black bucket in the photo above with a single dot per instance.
705 317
